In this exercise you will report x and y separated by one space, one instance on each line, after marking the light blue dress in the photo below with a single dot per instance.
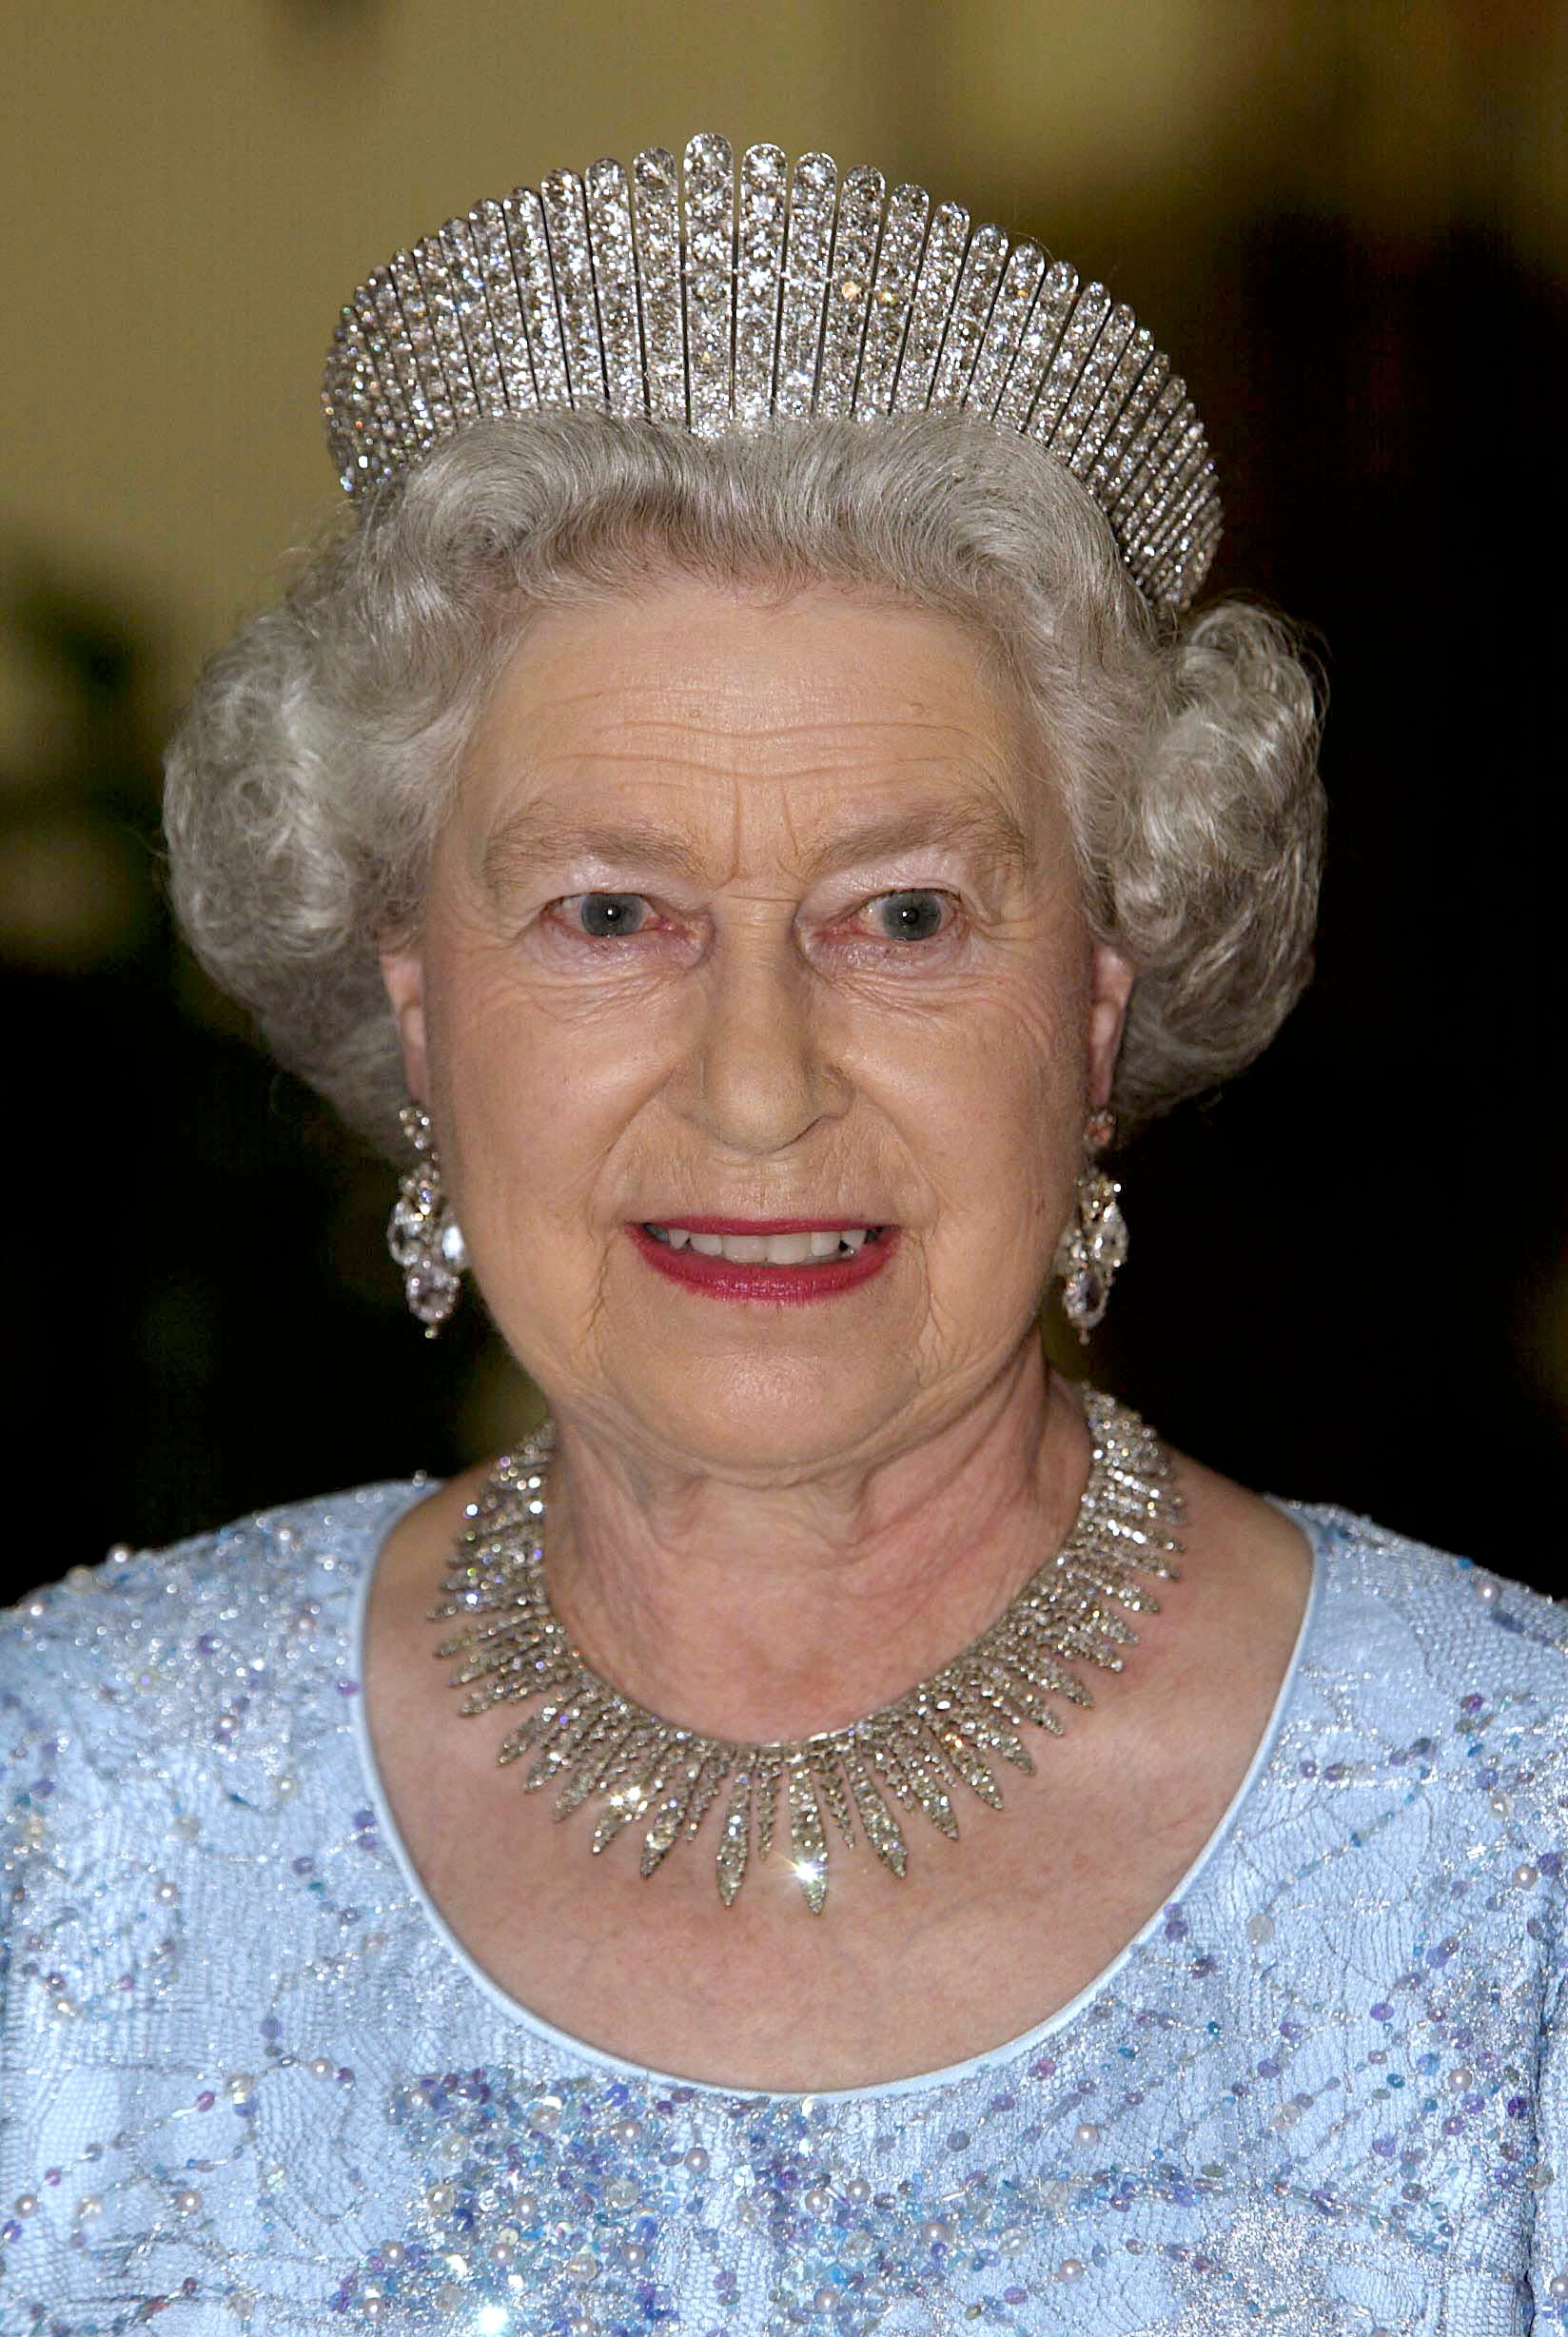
249 2079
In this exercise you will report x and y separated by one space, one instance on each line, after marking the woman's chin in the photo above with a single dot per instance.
754 1418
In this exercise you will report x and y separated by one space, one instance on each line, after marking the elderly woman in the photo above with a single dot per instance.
745 800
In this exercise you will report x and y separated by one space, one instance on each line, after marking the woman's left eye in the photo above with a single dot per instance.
915 915
604 916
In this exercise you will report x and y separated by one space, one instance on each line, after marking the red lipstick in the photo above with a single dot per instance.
777 1286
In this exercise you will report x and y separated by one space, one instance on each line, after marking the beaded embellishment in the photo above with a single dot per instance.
718 299
591 1744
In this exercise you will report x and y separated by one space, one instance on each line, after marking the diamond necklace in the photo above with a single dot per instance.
588 1740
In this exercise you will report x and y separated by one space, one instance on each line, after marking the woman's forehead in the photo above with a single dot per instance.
694 690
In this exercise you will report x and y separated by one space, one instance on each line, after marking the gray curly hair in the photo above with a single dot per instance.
308 780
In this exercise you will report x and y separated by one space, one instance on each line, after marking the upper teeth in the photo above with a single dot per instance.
765 1248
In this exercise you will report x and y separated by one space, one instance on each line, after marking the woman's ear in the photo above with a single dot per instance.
402 972
1110 987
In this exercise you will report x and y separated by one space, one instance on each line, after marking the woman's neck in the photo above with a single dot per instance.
764 1613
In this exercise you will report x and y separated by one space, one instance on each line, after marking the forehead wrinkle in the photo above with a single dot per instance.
988 833
680 748
831 742
632 701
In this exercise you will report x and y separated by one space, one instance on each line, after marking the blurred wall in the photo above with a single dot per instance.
1350 224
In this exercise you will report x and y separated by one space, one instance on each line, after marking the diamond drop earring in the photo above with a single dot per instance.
422 1234
1094 1242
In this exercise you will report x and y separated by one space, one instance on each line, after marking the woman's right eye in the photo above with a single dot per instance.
603 917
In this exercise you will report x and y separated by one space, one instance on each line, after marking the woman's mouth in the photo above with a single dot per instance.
812 1247
787 1264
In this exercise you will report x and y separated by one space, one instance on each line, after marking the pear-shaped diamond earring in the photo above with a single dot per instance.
422 1234
1094 1240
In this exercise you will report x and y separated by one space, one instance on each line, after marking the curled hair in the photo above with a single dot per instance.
309 778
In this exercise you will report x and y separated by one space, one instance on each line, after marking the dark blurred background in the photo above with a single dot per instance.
1350 224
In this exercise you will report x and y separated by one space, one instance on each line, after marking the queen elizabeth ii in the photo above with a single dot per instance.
746 799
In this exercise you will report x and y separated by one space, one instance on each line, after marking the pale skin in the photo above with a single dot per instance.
764 1519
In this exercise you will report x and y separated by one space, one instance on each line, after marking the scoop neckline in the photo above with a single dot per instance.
562 2042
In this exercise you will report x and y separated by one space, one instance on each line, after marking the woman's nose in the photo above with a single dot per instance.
757 1078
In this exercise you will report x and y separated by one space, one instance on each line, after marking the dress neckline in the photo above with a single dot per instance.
569 2047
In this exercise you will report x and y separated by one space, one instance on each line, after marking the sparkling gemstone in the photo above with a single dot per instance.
432 1292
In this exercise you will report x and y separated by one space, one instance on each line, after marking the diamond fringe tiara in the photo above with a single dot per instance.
715 301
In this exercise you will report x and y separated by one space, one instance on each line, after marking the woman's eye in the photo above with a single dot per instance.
605 916
910 916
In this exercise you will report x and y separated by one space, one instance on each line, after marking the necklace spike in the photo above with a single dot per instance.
829 1790
769 1769
882 1830
807 1838
735 1842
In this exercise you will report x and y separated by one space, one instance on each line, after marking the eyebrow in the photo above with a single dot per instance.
989 836
529 837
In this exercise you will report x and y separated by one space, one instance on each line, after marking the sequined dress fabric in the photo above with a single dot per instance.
248 2079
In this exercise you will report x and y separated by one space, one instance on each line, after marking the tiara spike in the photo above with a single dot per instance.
571 258
394 326
1168 504
1115 463
1179 455
849 276
428 377
365 439
1010 314
1159 500
1038 345
361 327
1134 355
379 296
946 239
1079 335
614 260
1152 432
1187 500
1203 531
759 273
709 189
808 245
535 285
352 432
430 258
1148 505
892 299
472 312
656 209
488 226
972 303
715 296
1084 405
1173 528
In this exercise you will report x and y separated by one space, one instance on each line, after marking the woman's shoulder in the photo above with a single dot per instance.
1427 1648
199 1639
177 1742
1441 1598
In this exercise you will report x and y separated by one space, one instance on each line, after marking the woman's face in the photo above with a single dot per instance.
749 912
